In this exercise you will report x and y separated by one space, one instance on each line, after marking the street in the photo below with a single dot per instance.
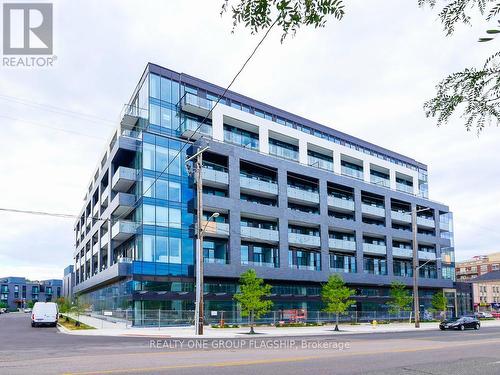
23 349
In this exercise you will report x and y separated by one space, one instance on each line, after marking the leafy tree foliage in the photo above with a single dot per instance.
252 296
439 303
401 298
289 14
474 91
335 294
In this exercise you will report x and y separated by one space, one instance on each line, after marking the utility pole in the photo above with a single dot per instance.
198 165
416 304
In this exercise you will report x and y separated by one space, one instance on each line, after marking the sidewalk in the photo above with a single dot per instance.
105 328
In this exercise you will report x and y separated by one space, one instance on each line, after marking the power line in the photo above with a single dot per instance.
54 109
52 127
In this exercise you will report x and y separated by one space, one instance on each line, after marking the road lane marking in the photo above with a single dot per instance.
274 360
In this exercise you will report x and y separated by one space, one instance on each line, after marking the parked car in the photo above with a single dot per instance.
496 314
27 310
460 323
44 313
483 314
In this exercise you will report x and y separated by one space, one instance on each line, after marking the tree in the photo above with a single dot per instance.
474 91
3 305
440 303
289 14
78 309
63 304
336 295
30 304
252 296
401 298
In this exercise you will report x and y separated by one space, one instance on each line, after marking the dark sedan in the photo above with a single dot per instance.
460 323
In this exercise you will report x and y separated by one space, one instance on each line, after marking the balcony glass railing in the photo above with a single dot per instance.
259 264
314 161
401 216
195 100
404 188
302 195
214 260
335 243
425 255
192 125
304 239
402 252
241 140
351 172
425 221
215 173
264 185
373 210
260 234
374 248
343 203
283 152
376 180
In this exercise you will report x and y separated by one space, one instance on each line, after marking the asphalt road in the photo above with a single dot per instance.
26 350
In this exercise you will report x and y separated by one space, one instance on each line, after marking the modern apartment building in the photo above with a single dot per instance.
16 292
68 282
296 201
477 266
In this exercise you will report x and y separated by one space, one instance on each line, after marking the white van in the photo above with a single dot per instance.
44 313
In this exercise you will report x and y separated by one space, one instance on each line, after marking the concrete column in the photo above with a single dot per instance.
283 221
263 139
303 151
336 163
217 125
392 179
359 232
366 171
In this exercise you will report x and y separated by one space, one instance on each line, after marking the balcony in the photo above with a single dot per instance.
404 188
320 163
351 172
215 229
401 217
338 244
371 248
341 203
194 104
304 239
194 128
425 255
372 210
95 248
402 252
95 210
425 222
259 264
123 179
258 186
122 230
266 235
122 204
380 181
215 177
296 194
131 115
283 152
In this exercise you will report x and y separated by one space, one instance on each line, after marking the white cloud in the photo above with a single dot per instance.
367 75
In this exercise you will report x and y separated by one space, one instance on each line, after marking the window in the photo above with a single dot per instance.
161 249
166 87
148 156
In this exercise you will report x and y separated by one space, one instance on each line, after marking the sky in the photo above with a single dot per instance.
367 75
